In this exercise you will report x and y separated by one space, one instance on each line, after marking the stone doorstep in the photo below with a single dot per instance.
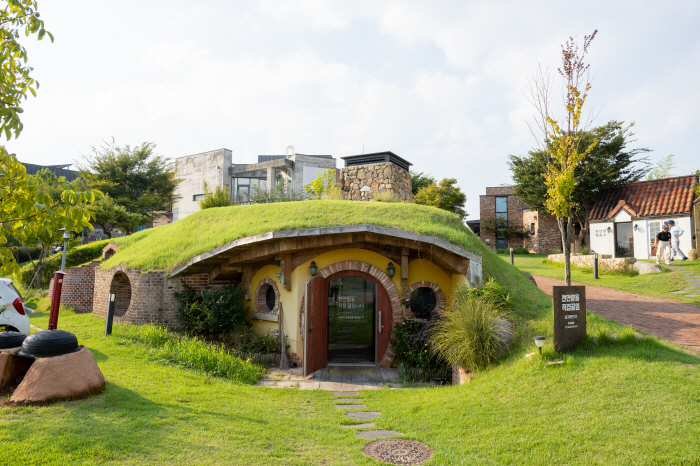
349 400
692 295
350 406
358 426
345 394
677 292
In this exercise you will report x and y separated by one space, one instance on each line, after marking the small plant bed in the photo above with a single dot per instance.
654 285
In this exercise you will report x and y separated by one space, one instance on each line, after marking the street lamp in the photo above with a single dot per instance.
66 236
313 269
539 341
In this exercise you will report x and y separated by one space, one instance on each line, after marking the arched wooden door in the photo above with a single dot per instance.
316 322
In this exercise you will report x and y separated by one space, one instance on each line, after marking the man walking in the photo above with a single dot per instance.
663 239
676 233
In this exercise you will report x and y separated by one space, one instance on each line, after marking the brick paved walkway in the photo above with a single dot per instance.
677 322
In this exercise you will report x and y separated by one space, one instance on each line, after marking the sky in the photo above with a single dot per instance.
441 84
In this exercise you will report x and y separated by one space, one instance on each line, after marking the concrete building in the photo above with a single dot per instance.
216 168
626 218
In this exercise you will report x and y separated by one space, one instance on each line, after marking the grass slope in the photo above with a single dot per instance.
625 402
654 285
167 246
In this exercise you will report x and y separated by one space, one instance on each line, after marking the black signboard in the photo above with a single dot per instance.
569 304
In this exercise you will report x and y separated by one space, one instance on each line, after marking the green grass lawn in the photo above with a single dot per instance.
620 402
655 285
167 246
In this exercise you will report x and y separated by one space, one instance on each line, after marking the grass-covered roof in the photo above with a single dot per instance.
166 247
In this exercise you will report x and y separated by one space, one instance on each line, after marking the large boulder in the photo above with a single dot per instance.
65 377
646 267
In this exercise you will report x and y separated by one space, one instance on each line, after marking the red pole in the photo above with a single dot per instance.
56 299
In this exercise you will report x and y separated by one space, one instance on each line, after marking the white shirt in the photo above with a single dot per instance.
676 231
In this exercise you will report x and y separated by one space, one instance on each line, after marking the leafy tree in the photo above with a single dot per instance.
111 216
610 162
280 193
15 79
324 183
134 177
444 196
563 142
26 212
664 168
218 198
419 181
502 229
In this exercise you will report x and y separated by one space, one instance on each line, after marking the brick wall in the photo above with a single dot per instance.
151 294
547 237
78 283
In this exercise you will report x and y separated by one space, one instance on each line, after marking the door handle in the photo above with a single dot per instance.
379 324
311 329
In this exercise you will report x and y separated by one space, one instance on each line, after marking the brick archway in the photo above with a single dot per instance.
261 295
128 275
439 295
385 280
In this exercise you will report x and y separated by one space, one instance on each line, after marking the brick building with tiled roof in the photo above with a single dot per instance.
625 219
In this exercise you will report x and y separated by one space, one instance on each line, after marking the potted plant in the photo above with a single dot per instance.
692 254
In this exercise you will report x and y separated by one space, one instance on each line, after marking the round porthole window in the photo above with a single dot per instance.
270 298
423 301
267 296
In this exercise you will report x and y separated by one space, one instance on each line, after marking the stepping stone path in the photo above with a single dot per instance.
692 283
392 451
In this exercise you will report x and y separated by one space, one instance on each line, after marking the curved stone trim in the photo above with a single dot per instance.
261 295
109 250
381 277
439 295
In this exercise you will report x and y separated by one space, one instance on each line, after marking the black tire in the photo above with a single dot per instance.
49 343
10 339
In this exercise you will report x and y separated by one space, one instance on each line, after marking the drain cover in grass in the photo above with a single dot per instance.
398 451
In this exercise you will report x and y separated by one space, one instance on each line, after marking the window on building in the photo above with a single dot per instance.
532 228
654 229
501 213
198 197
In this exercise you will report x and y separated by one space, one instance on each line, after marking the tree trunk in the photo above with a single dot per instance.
564 231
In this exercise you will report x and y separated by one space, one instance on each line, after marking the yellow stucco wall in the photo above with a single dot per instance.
418 270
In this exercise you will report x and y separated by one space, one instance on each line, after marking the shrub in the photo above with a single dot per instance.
625 270
491 292
206 312
585 250
244 340
502 251
197 355
468 334
334 194
76 256
555 251
521 251
217 198
412 347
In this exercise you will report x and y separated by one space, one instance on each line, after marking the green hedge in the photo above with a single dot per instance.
76 256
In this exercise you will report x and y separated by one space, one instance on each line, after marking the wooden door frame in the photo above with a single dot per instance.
356 273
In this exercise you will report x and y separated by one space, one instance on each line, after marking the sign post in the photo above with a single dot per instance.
569 304
110 314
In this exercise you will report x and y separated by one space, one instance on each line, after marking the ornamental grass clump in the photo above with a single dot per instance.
469 334
194 354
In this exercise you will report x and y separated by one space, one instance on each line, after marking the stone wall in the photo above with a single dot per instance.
604 263
363 182
78 283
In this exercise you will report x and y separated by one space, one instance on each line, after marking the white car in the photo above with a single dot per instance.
13 316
